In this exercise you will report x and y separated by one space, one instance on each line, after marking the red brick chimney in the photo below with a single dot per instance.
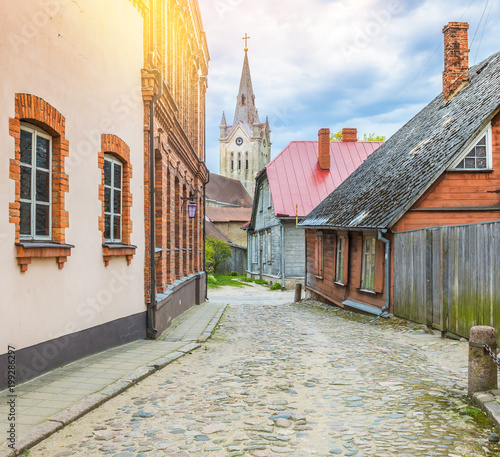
349 134
456 58
324 149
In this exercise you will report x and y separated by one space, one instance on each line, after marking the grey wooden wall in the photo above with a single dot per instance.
448 277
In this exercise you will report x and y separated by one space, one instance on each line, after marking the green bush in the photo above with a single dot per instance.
248 279
262 282
276 286
234 273
216 252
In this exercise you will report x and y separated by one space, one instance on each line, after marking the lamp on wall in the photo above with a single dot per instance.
192 206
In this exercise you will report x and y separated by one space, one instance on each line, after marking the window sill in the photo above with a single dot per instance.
340 283
472 170
26 250
110 250
368 291
318 277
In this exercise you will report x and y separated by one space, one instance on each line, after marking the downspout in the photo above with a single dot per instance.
204 233
152 331
380 236
282 256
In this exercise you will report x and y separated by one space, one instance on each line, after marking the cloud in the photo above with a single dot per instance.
318 63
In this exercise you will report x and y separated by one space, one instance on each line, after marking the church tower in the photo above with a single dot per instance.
245 146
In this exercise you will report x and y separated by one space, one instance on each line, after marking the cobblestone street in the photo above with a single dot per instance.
293 380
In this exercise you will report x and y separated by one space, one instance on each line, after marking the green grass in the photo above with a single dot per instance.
216 281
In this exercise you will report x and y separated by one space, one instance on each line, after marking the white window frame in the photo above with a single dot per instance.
339 259
489 159
368 276
36 132
113 160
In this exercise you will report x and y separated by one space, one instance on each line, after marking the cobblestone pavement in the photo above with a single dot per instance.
293 380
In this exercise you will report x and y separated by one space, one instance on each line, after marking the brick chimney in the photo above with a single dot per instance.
324 149
349 134
456 58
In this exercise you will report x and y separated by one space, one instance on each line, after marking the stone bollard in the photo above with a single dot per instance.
482 368
298 292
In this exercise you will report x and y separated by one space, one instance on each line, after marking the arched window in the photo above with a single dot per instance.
246 161
232 161
239 161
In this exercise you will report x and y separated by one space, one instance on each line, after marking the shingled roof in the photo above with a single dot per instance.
392 179
227 192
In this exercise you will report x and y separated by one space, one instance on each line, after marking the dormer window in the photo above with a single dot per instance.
478 157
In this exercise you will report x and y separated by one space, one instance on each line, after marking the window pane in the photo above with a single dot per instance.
107 173
482 141
117 228
107 227
25 218
26 183
42 152
107 200
470 163
117 202
118 176
26 139
42 186
480 151
480 163
42 220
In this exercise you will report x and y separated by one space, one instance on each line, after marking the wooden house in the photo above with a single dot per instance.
441 168
288 188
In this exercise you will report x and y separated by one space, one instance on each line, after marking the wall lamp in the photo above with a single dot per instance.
192 206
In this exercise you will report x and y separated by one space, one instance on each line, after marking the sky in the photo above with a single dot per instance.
367 64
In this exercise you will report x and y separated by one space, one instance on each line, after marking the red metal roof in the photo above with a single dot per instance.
296 181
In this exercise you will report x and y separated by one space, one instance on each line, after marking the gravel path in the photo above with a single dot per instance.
293 380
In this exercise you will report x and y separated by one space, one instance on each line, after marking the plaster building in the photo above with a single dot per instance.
76 106
245 146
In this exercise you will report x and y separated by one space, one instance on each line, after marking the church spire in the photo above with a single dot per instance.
245 104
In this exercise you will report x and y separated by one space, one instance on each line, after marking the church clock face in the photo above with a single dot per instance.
239 141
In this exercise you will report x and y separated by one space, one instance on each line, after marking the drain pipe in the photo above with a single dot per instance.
387 270
205 234
152 331
282 256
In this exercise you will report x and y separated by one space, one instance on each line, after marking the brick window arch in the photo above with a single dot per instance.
115 223
34 111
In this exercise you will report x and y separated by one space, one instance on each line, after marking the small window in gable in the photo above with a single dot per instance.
479 156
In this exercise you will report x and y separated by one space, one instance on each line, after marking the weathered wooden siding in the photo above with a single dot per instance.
326 285
448 277
460 190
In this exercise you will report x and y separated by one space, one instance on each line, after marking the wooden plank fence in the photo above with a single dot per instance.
449 277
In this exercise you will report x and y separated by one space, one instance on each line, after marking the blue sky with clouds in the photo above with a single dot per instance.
368 64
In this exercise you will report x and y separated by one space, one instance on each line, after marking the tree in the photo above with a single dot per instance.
336 136
373 137
366 137
216 252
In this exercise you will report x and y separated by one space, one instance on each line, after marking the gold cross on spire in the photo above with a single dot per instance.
246 38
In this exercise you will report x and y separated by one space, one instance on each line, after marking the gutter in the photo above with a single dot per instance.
380 236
